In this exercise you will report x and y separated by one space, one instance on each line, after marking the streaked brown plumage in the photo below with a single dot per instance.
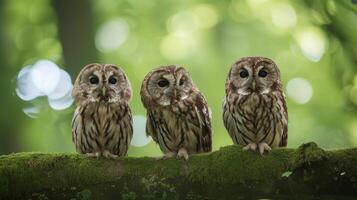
178 117
102 122
254 110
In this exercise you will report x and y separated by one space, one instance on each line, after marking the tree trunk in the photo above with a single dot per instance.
229 173
76 33
10 103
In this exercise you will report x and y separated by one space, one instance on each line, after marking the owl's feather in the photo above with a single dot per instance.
204 118
176 127
256 119
185 124
255 113
102 122
99 127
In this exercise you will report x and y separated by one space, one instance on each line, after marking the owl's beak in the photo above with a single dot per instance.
253 85
174 96
175 93
104 91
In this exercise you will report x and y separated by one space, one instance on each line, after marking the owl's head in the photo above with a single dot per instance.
253 75
166 85
101 83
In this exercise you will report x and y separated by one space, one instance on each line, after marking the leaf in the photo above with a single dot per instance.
286 174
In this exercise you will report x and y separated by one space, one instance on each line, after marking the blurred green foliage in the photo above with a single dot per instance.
314 41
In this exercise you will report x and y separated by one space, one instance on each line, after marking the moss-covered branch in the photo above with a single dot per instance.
225 174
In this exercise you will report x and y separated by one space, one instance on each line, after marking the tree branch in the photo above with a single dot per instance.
225 174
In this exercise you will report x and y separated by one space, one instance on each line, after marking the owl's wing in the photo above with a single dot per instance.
151 127
229 122
84 129
77 129
284 138
204 120
119 130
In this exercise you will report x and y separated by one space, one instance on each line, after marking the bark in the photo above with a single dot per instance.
307 172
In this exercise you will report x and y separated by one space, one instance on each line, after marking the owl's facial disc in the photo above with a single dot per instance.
169 91
116 88
109 89
263 79
185 85
105 83
255 79
181 88
163 85
243 79
93 83
105 88
253 75
172 89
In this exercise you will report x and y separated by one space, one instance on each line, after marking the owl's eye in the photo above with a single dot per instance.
182 81
163 83
112 80
262 73
244 74
94 80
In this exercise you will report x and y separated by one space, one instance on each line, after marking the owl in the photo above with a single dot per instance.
178 117
254 109
102 122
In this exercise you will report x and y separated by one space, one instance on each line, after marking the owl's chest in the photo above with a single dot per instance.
252 108
250 104
173 122
103 115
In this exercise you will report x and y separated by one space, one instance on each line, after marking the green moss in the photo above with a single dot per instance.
84 195
212 175
341 168
307 154
129 196
246 166
28 172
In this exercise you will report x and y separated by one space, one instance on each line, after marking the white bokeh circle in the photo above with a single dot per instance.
140 138
111 35
26 88
45 78
45 75
299 90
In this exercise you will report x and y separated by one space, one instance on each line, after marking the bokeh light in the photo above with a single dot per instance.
111 35
299 90
182 23
312 43
61 102
205 15
284 16
45 78
31 111
140 138
26 88
254 3
176 47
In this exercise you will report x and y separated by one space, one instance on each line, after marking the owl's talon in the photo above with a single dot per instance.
109 155
182 153
263 147
166 156
96 154
250 146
